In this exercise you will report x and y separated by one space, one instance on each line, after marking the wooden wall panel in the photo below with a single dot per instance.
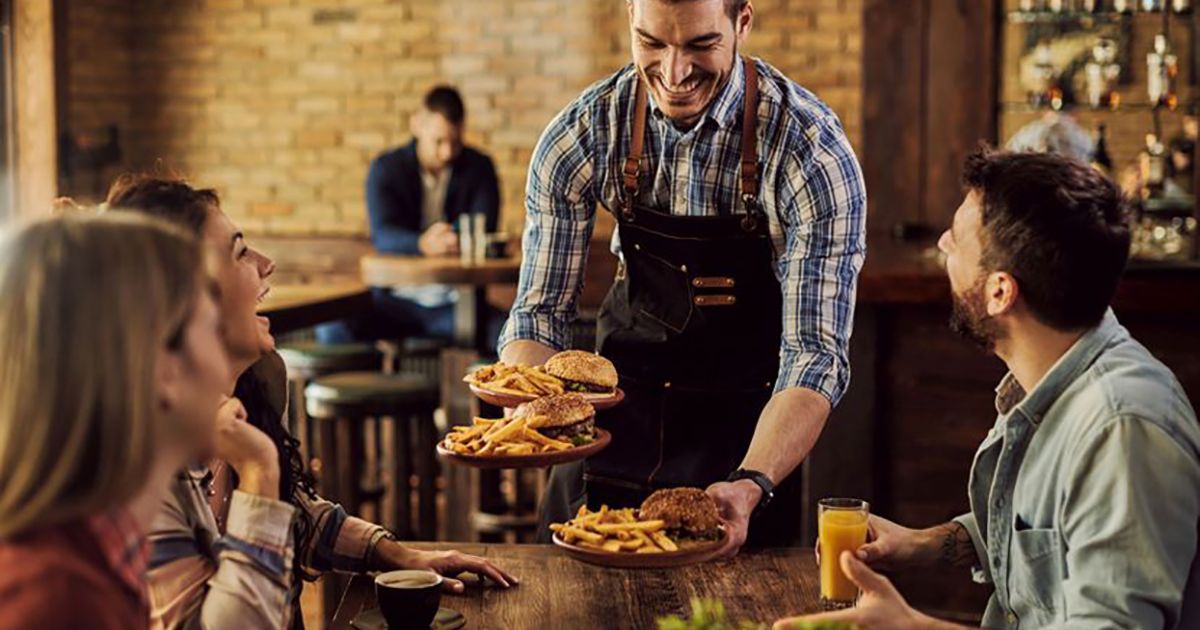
34 106
929 97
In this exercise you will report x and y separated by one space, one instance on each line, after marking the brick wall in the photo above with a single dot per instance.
280 104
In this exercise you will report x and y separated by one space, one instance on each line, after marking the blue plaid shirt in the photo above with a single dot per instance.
811 187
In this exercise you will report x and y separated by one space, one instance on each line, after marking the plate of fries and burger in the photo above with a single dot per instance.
673 527
550 430
585 373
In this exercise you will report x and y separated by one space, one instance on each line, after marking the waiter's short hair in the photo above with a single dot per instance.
446 100
732 7
1058 226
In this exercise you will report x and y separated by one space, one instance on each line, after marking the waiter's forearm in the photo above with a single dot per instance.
527 352
787 430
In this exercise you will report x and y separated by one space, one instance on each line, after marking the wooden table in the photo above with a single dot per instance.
470 281
558 592
294 306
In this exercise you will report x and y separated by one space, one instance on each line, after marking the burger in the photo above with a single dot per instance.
567 417
688 513
584 372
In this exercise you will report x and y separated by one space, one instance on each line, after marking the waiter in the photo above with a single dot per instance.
740 209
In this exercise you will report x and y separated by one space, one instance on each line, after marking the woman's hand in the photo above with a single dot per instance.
449 564
248 450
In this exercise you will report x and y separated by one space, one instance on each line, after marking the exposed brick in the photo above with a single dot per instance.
281 104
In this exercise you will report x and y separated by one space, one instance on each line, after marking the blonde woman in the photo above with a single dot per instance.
214 565
110 377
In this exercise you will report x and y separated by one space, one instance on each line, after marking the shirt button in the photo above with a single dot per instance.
1012 619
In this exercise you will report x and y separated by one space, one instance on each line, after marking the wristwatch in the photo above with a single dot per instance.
761 480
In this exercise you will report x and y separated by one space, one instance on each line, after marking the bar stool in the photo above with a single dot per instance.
341 403
310 360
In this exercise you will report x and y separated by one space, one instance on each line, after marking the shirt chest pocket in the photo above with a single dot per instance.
1035 578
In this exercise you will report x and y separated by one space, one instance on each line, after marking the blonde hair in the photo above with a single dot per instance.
88 305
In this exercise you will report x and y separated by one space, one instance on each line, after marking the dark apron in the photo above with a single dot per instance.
693 325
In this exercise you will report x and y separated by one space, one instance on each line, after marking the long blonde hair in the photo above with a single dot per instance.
86 306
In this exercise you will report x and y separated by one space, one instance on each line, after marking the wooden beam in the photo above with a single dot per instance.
34 108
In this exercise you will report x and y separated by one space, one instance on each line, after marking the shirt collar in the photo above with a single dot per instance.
124 547
1011 397
724 109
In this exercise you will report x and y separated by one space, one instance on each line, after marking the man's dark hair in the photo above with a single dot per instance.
1058 226
733 8
446 101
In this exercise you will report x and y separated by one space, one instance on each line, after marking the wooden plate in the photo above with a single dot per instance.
537 460
691 553
599 401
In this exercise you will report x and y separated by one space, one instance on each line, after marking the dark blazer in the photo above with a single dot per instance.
394 195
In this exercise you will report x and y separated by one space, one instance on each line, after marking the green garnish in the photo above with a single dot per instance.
707 614
581 440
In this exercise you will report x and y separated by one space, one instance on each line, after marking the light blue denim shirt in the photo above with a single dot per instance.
1085 495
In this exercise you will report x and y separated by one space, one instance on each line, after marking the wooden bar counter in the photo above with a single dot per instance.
559 592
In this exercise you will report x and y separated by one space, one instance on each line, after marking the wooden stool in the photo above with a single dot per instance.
310 360
342 403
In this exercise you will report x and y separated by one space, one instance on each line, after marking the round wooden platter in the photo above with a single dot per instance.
689 553
599 401
536 460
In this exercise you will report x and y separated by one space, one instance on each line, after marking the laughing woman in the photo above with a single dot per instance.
227 552
110 376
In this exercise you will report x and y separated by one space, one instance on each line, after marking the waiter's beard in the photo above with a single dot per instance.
969 318
701 82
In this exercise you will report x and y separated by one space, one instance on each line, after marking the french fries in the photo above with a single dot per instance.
502 437
515 380
615 531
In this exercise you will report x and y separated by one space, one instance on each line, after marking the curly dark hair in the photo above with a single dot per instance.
174 200
1058 226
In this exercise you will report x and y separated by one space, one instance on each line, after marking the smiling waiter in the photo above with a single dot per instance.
741 211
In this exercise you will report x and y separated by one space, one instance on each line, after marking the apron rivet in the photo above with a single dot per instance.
667 385
683 268
637 247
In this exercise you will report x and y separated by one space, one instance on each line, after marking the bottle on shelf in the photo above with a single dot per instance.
1151 5
1153 162
1092 6
1061 6
1162 71
1124 6
1100 157
1181 6
1102 73
1031 6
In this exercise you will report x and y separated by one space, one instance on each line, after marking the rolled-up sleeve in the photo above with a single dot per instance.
823 203
339 542
980 571
250 583
1129 520
560 210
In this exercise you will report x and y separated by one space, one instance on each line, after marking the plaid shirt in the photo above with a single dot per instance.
811 187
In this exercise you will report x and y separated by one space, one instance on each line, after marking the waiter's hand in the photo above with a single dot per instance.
735 502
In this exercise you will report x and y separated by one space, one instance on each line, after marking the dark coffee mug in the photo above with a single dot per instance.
408 599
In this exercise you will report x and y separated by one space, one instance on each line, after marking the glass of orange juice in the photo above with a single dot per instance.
841 526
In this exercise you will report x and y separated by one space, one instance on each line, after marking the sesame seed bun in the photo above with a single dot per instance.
686 511
586 368
559 410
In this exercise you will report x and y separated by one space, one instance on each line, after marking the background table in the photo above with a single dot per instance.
558 592
470 282
294 306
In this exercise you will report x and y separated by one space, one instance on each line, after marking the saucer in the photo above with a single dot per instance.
372 619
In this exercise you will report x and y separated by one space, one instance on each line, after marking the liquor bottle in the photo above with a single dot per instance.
1030 6
1162 70
1092 6
1151 5
1181 6
1154 167
1100 157
1101 74
1124 6
1061 6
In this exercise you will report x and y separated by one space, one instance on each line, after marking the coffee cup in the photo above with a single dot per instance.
408 599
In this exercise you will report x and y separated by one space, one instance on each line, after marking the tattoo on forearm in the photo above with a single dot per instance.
957 548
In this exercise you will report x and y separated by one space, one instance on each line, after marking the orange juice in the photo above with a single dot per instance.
839 529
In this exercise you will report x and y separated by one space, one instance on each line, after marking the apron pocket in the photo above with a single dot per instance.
661 290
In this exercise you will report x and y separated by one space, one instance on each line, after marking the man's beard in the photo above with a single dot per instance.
969 318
